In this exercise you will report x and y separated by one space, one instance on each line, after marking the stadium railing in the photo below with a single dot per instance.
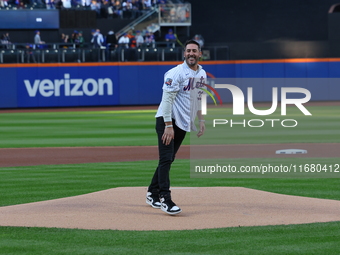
69 52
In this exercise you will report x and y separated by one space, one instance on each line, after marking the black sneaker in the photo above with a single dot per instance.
153 200
169 207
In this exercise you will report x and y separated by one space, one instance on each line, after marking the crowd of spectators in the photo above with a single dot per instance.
131 39
129 42
130 9
75 40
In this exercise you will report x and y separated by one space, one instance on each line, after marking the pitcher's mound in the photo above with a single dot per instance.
211 207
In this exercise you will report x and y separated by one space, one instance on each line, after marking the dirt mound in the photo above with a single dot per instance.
208 207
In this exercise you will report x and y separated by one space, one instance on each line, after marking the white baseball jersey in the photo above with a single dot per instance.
184 84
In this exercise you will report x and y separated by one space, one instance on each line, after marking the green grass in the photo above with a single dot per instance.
37 183
100 128
322 127
130 128
94 128
322 238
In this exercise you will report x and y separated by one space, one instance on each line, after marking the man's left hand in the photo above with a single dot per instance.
202 129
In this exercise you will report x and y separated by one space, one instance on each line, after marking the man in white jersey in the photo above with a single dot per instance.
176 114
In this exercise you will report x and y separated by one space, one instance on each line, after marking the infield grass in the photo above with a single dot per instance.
321 238
37 183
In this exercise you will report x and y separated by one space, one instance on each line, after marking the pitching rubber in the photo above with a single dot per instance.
291 151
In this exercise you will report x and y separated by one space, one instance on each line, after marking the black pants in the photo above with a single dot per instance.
160 183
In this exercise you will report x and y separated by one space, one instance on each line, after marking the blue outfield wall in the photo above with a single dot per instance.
68 85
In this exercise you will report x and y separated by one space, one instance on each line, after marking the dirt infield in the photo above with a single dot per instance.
78 155
213 207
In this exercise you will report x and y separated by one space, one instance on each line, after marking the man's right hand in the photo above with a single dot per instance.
168 135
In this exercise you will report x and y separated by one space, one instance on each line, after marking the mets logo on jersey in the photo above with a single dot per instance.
168 82
199 83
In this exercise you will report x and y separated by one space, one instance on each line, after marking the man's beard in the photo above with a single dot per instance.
189 61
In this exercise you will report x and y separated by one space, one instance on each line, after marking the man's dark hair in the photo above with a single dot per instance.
192 42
